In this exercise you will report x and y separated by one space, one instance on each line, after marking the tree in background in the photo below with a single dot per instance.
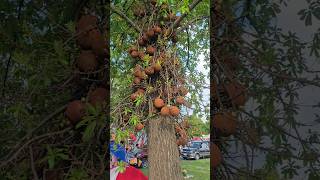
254 59
198 127
44 66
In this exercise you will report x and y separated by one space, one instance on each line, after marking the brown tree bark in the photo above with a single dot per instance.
163 154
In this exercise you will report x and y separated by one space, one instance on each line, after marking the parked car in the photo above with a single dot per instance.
196 150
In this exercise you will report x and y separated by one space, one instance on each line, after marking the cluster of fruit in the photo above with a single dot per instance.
156 77
181 132
228 95
76 109
91 58
92 42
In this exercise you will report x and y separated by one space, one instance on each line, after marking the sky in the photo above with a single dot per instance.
205 91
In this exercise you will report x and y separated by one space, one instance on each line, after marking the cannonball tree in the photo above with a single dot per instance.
154 78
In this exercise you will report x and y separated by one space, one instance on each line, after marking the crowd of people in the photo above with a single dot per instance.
127 157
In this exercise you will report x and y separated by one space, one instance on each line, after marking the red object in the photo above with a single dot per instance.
196 139
133 137
132 173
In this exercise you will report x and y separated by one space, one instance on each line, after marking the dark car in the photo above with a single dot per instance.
196 150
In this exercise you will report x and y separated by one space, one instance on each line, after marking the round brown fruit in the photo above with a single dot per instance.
139 127
157 29
98 43
141 54
157 67
177 129
237 93
225 122
134 54
143 75
140 91
145 37
180 100
165 111
183 134
137 71
137 80
141 42
132 48
150 33
86 22
151 50
87 61
134 96
183 91
158 103
149 70
185 124
137 68
83 40
174 111
75 111
182 141
216 157
98 96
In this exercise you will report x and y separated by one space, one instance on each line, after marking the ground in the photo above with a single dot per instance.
196 169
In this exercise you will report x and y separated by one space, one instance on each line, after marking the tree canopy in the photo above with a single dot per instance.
274 66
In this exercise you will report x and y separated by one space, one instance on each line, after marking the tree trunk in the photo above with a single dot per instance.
163 154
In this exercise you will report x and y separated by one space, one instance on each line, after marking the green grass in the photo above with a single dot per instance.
198 169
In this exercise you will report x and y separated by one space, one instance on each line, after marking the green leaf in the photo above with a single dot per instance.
71 26
51 161
134 120
63 156
90 109
89 132
121 167
78 174
85 120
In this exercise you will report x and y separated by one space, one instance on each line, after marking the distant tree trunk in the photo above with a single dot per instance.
163 155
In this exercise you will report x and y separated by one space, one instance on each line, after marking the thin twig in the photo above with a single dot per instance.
12 157
121 14
178 20
35 175
185 26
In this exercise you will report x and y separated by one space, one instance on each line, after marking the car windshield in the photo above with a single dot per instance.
195 145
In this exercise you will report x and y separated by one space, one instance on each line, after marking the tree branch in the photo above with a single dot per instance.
29 135
14 40
121 14
178 20
17 152
185 26
35 175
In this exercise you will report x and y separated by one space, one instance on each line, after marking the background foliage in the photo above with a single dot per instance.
277 67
